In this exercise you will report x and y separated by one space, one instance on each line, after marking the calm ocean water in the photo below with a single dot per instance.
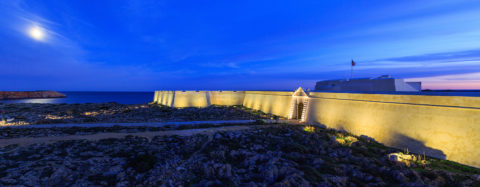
93 97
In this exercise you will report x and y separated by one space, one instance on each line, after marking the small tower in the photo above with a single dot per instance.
299 105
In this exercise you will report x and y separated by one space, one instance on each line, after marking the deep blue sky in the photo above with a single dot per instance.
151 45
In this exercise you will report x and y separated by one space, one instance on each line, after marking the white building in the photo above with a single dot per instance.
380 84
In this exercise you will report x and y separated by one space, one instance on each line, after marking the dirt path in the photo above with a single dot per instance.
136 124
25 141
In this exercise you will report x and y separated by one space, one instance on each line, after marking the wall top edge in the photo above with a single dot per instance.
458 101
282 93
223 91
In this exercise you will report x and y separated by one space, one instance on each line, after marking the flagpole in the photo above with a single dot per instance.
351 69
351 72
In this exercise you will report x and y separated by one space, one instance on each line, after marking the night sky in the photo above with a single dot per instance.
143 45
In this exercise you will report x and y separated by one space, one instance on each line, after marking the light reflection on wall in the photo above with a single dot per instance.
438 130
277 103
164 97
226 97
436 125
190 99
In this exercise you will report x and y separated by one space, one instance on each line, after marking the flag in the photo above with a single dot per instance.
353 63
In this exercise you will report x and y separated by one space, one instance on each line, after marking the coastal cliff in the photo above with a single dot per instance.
29 94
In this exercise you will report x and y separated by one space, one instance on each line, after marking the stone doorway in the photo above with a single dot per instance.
298 105
299 110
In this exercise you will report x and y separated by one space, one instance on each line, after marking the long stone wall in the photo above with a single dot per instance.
441 126
181 99
277 103
164 97
190 99
226 97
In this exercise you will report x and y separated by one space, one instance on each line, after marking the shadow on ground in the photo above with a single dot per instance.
402 141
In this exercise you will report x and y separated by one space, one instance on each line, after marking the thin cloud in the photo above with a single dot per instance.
446 56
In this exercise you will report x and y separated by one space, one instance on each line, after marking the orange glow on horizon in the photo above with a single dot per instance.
469 81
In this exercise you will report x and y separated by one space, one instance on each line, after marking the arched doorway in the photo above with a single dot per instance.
299 110
299 105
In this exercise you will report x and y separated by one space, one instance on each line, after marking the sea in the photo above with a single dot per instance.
92 97
146 97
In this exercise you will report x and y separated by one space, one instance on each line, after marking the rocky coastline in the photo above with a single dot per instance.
30 94
262 155
37 113
253 154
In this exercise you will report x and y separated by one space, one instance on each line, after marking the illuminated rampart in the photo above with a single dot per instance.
441 126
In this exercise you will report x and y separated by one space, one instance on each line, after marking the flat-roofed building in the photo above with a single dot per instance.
383 83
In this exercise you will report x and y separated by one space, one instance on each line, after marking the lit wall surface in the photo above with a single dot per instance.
226 97
164 97
190 99
277 103
441 126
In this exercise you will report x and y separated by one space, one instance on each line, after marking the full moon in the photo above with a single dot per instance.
36 33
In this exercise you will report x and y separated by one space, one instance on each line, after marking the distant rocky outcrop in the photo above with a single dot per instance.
30 94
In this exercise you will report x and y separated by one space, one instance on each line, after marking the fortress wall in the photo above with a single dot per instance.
155 96
444 127
226 97
190 99
168 97
441 126
413 99
163 97
277 103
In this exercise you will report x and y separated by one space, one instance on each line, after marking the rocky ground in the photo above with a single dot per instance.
34 113
276 155
8 132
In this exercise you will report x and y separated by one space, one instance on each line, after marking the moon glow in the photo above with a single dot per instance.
36 33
